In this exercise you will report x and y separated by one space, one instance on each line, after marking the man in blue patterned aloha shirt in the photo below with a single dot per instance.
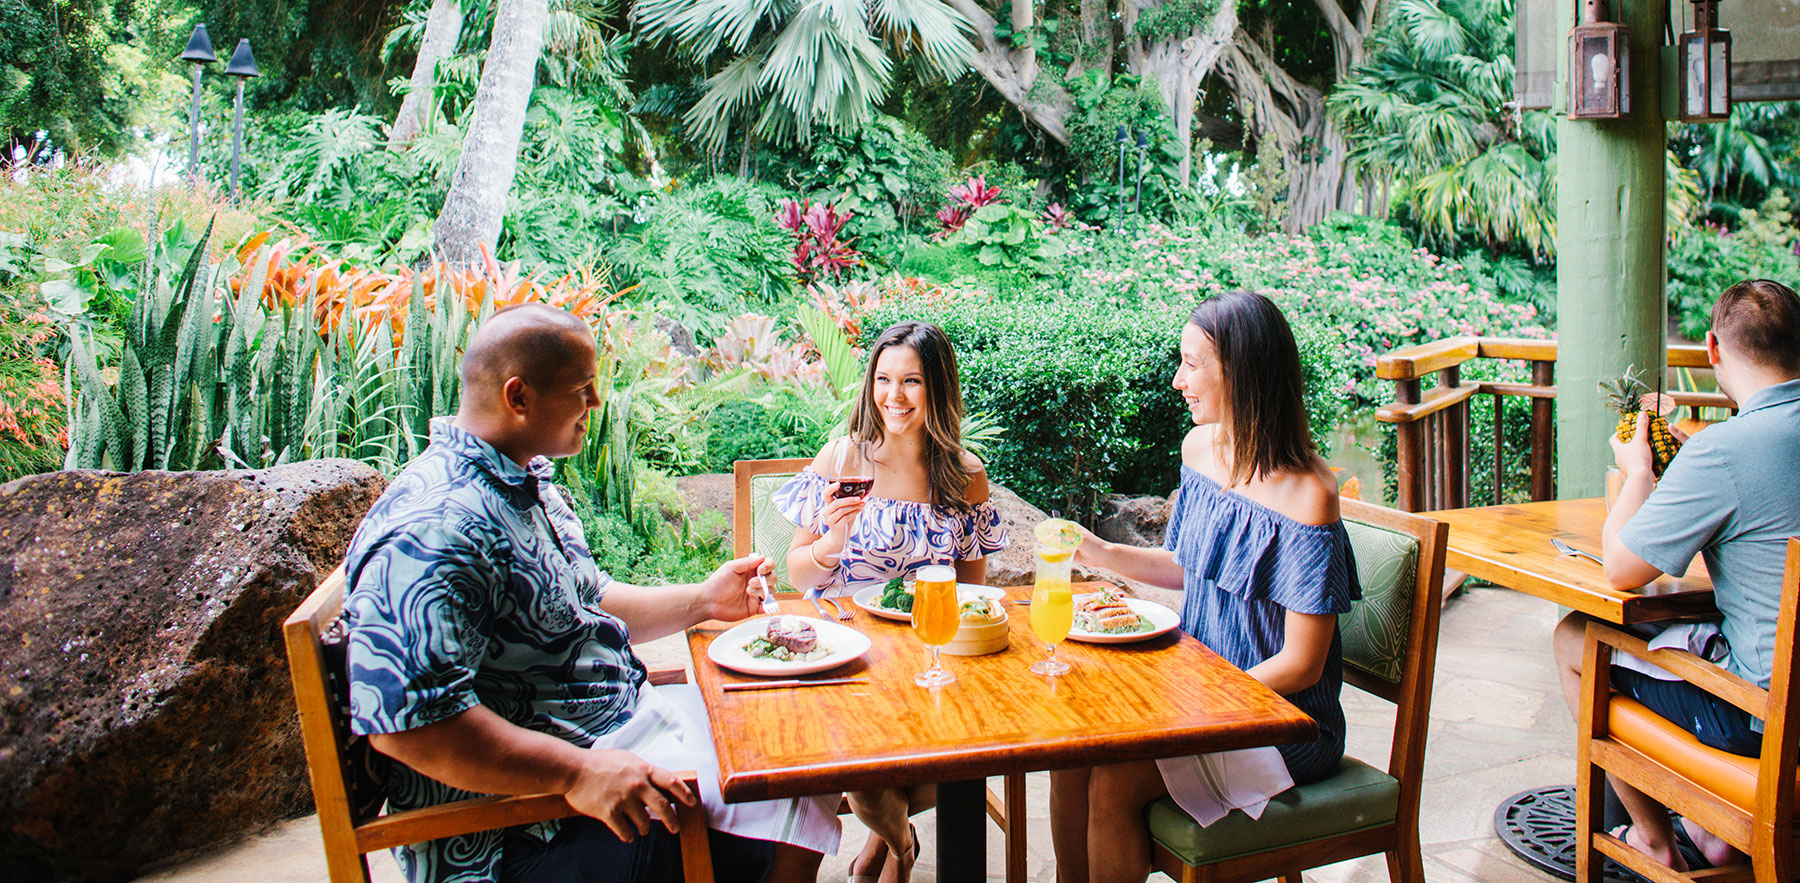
489 655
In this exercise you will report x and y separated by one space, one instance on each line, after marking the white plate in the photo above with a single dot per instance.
1162 620
868 599
846 644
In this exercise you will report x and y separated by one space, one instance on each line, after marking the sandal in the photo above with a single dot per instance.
1684 846
1690 851
912 858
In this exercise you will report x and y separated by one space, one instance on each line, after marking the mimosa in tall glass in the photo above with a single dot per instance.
936 616
1052 605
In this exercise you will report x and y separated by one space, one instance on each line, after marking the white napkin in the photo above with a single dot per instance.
669 728
1690 636
1209 786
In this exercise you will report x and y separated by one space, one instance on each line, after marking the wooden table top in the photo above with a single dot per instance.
1165 697
1510 546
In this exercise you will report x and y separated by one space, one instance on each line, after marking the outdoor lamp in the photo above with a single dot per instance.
1599 66
1123 139
1706 67
242 66
199 51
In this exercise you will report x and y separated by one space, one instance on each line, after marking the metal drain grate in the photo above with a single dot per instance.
1539 826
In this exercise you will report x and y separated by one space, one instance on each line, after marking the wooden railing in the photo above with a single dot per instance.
1432 425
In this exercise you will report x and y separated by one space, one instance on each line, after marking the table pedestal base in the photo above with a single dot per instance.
1539 827
962 832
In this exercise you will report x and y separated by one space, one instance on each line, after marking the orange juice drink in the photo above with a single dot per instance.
935 611
1052 602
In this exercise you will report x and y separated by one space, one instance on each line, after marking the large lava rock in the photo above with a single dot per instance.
1134 521
145 706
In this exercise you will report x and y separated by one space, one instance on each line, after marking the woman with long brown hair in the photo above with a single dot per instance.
1256 545
928 504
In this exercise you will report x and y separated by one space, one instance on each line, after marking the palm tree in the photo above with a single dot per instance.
787 67
1427 110
1744 149
476 202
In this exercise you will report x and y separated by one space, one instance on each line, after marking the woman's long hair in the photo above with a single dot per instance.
944 466
1264 395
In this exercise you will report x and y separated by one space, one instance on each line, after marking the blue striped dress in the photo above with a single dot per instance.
1244 566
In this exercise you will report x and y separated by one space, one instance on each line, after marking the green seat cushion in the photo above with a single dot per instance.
1356 797
1375 630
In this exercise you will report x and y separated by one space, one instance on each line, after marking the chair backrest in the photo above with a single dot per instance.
756 525
1390 636
1781 751
324 728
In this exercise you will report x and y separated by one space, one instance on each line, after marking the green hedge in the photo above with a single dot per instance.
1084 394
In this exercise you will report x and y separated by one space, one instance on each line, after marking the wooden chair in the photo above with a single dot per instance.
756 526
349 798
1747 801
1390 651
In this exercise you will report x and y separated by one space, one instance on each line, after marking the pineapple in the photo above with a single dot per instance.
1626 395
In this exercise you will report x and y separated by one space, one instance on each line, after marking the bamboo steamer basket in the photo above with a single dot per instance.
979 638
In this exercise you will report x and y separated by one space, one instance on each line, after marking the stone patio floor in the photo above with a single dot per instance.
1498 726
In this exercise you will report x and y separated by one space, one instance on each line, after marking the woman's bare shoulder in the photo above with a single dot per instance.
821 460
1309 496
1197 447
973 464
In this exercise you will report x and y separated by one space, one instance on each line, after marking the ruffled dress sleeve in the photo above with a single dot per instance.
983 533
802 501
1256 554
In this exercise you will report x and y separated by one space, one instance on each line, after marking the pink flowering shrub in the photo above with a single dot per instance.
1369 293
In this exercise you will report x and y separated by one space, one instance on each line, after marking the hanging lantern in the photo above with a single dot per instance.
1706 67
1599 66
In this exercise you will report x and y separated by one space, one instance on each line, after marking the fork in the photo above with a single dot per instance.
1567 549
768 597
844 614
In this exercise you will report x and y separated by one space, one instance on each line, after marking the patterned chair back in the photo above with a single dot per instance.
757 526
1376 630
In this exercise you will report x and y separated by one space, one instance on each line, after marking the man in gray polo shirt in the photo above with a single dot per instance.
1729 495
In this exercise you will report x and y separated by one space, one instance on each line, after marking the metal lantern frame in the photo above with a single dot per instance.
1599 66
1704 56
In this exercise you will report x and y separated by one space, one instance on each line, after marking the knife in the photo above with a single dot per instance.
771 685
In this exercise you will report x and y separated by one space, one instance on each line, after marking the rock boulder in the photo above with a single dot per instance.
1136 521
145 706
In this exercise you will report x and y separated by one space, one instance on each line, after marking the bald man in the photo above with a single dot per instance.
488 654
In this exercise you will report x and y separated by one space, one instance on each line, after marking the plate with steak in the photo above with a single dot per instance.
1107 617
786 645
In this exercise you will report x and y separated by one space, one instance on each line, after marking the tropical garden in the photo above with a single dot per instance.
737 196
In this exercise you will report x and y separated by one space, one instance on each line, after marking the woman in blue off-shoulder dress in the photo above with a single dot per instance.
1256 545
928 505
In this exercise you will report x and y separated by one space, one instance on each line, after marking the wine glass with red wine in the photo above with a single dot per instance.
856 473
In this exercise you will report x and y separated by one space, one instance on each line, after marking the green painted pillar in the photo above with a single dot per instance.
1610 302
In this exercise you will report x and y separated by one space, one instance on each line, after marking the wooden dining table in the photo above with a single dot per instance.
1510 546
1165 697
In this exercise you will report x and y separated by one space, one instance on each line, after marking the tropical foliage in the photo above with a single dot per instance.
795 66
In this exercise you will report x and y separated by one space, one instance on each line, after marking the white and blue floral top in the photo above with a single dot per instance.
891 537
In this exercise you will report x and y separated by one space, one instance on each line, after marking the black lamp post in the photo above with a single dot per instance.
199 51
1123 139
1143 146
242 66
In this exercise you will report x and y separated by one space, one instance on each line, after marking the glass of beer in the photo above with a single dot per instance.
936 615
1052 605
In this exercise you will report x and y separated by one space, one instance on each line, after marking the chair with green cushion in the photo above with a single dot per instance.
1390 650
757 526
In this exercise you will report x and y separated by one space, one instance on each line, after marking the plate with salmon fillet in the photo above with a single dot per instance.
1108 617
